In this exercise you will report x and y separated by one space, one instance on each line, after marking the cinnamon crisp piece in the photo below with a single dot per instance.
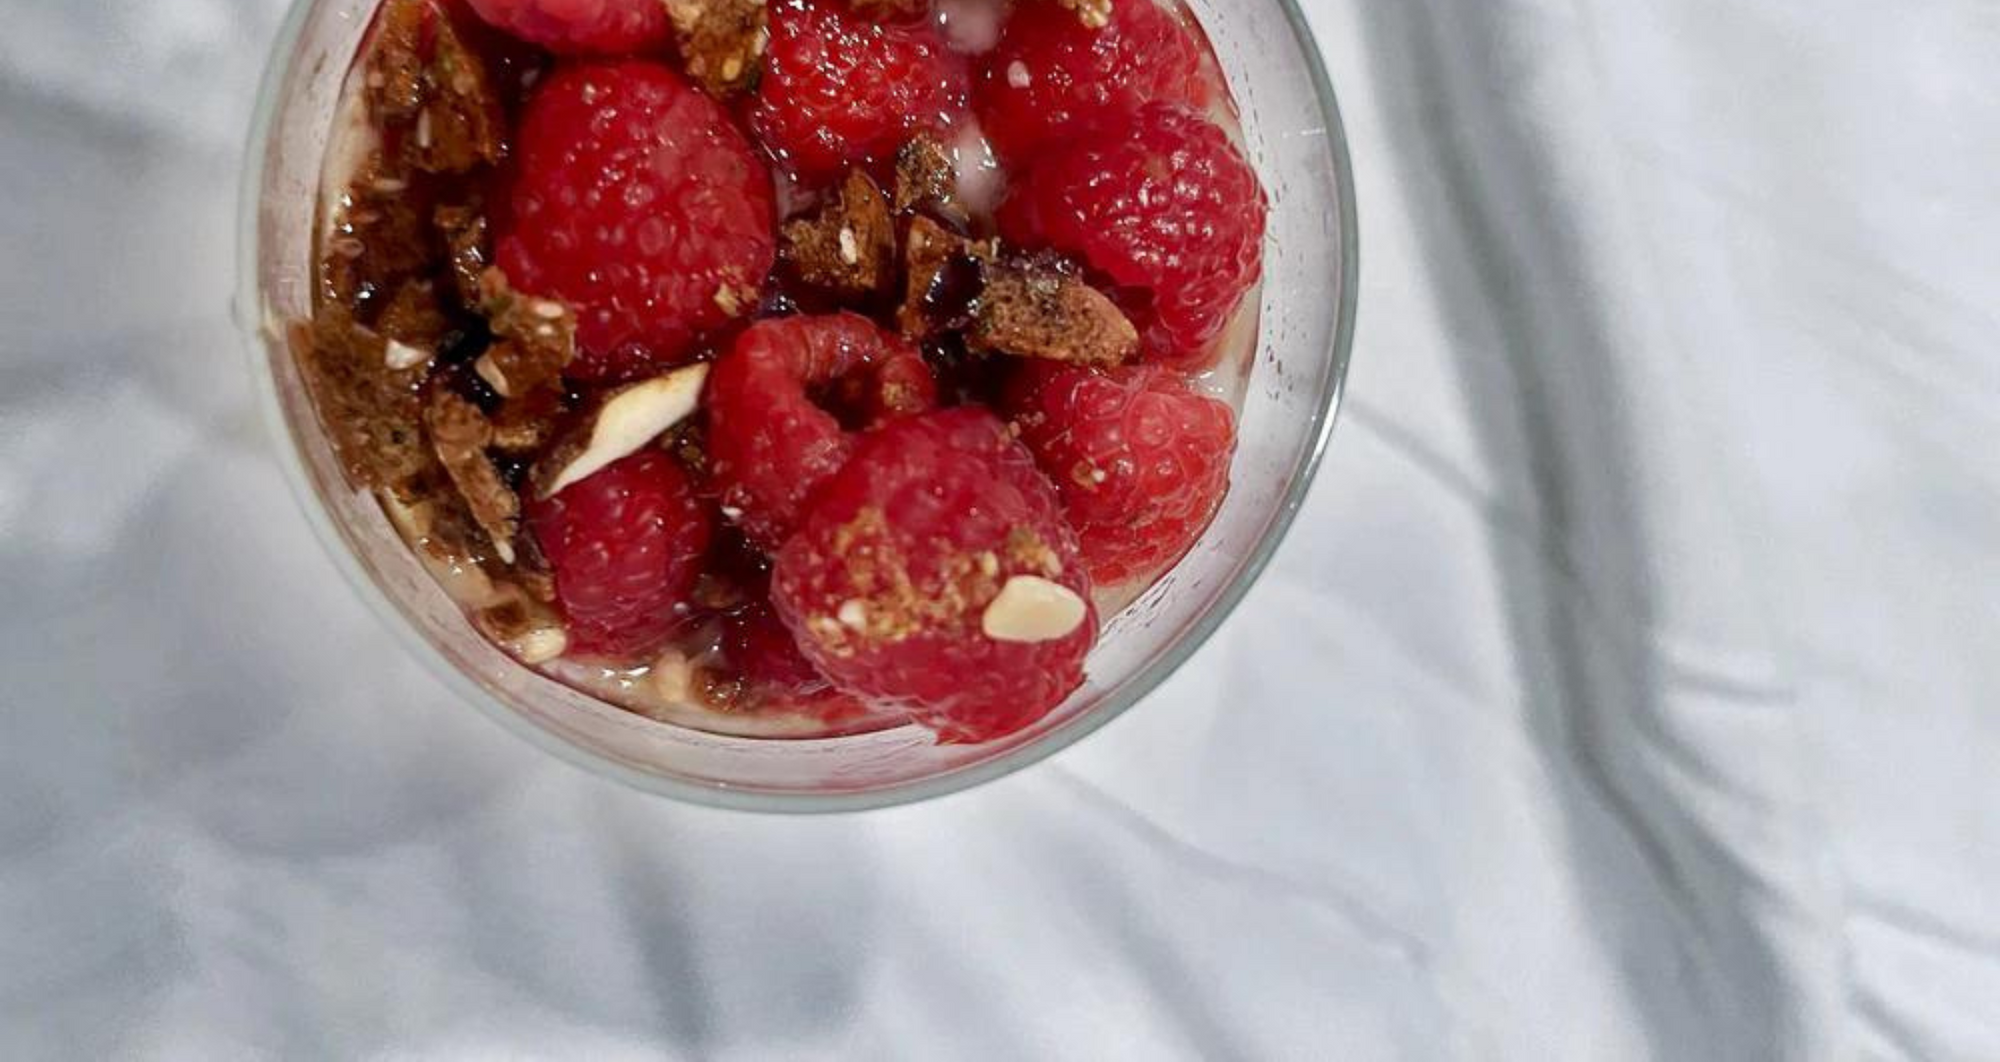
371 411
536 337
378 241
943 273
1034 310
460 434
925 175
524 425
721 42
414 320
430 93
849 245
469 247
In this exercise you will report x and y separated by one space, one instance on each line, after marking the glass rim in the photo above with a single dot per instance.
257 333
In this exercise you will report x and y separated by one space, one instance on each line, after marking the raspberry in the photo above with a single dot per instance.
1140 461
769 445
840 90
775 674
581 27
887 582
1050 73
638 202
1161 205
626 545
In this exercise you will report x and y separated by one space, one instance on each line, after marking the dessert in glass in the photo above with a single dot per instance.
790 404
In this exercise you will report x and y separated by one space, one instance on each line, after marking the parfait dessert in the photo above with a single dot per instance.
793 368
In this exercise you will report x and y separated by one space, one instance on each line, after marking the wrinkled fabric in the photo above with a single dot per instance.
1624 691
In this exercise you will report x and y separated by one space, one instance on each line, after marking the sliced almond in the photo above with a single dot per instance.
673 677
530 633
631 419
399 356
1030 608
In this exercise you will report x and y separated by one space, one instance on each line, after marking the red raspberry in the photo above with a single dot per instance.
839 89
626 544
769 445
887 582
638 202
1049 72
1159 203
1140 461
775 674
578 27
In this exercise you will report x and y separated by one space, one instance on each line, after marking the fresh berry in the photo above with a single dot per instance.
626 545
636 200
1160 205
775 674
888 583
581 27
1050 73
769 444
839 89
1140 461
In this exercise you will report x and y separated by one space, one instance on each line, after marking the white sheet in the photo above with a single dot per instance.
1625 691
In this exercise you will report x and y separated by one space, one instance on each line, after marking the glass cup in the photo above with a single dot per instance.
1292 134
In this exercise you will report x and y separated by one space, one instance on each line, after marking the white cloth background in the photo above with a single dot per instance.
1626 690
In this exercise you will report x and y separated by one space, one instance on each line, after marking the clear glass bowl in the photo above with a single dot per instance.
1293 135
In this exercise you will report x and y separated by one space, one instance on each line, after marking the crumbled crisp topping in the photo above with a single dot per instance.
892 602
413 317
460 434
430 93
536 337
943 273
925 175
371 411
377 244
721 42
1033 310
849 245
469 248
525 424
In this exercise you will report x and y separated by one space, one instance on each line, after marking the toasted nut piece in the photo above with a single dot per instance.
849 245
1030 608
460 435
1035 311
721 42
627 421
